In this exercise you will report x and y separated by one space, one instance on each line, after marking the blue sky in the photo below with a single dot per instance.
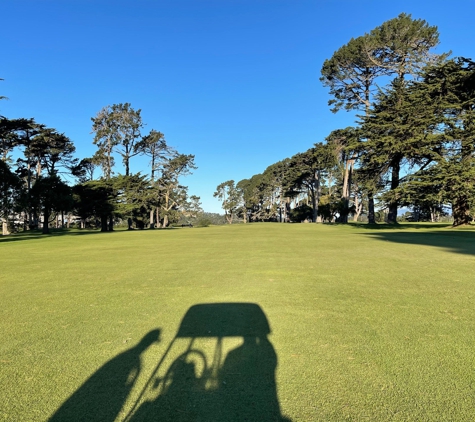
234 82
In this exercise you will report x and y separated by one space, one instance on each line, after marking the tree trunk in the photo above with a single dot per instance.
165 221
111 223
316 196
152 225
103 223
346 191
461 212
46 214
5 231
358 208
314 206
392 208
371 217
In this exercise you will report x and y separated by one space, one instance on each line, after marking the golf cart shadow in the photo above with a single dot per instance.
220 366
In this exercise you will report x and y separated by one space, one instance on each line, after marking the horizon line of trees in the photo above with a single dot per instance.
35 187
413 144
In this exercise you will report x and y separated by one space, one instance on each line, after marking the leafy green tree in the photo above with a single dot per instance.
84 170
127 123
155 147
301 212
105 128
9 136
402 46
399 133
52 151
95 199
50 194
345 143
399 48
449 96
192 207
132 196
306 172
10 194
254 196
172 194
351 75
231 198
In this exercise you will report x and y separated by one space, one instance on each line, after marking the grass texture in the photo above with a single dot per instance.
301 322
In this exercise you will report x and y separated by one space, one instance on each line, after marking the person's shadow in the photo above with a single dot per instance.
242 388
102 396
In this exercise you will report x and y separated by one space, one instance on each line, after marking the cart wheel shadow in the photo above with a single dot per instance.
239 386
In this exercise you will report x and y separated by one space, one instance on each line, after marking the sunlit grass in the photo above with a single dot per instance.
366 324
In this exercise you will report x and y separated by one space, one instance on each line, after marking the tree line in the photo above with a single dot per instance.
36 163
412 144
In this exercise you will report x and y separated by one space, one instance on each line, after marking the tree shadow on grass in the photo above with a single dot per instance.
195 379
36 234
462 242
399 226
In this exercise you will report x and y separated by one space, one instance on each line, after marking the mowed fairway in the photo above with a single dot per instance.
366 324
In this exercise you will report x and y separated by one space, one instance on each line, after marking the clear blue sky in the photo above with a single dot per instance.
235 82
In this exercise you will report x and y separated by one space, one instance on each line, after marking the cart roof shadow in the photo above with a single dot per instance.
224 320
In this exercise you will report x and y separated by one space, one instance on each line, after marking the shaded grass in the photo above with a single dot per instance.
366 325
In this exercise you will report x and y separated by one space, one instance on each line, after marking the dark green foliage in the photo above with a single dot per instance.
84 170
399 131
306 172
95 199
402 45
301 213
50 194
350 74
447 93
116 129
231 198
11 191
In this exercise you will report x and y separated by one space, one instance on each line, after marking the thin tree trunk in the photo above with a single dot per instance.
358 208
392 208
371 216
317 195
345 193
152 225
461 212
5 231
103 223
46 214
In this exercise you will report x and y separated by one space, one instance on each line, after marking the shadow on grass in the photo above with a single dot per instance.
462 242
191 383
399 226
36 234
102 396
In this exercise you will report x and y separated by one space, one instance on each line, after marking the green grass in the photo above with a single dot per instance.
366 323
